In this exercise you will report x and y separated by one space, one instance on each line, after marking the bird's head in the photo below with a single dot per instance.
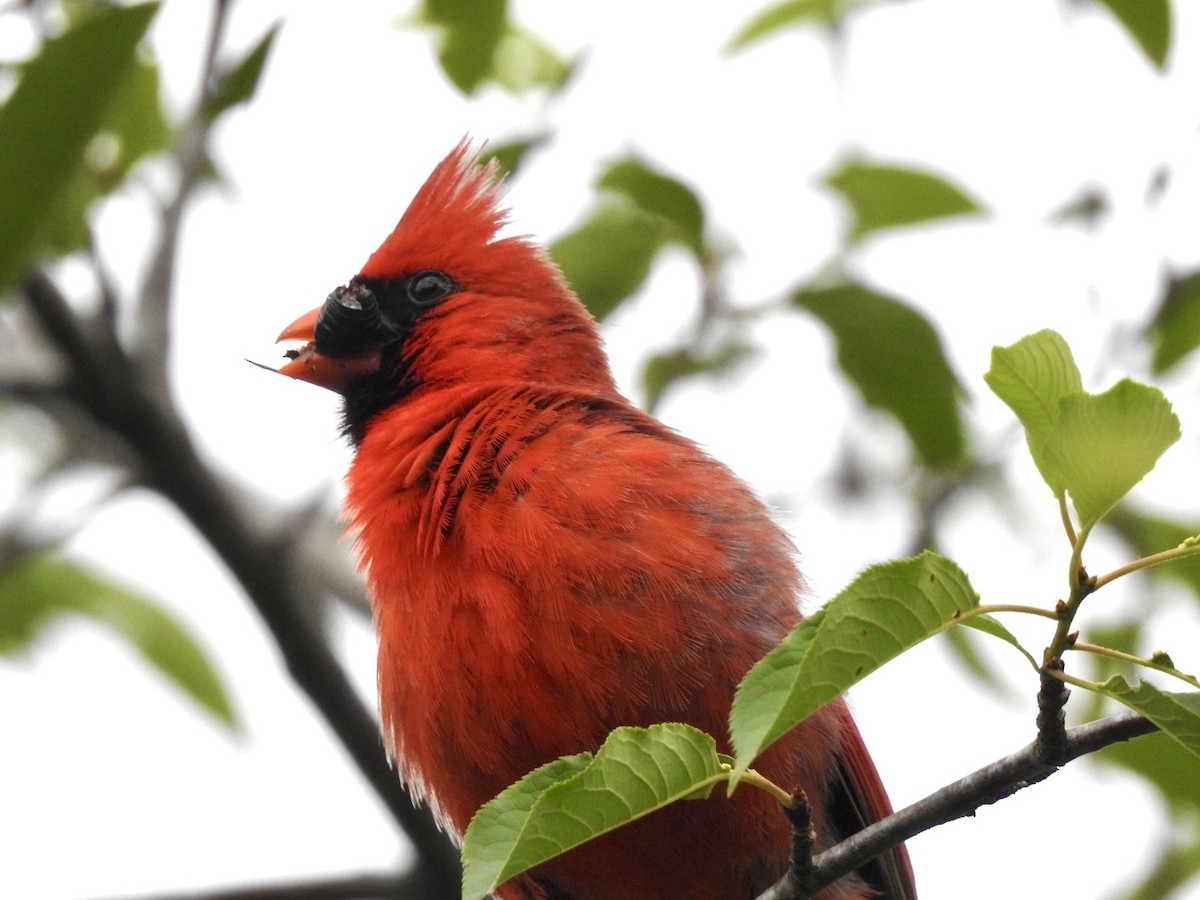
444 302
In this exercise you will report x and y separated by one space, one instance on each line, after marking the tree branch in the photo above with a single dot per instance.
106 384
804 838
1052 715
349 887
956 800
151 342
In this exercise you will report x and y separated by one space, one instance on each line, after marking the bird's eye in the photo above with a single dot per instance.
428 287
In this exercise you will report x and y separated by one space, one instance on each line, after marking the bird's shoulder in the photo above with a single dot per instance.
572 436
537 458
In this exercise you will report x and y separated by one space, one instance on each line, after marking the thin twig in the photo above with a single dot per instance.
151 341
959 799
1154 662
1190 547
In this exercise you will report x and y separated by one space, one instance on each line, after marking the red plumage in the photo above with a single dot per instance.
547 562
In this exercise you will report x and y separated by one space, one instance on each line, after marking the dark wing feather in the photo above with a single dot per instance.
856 799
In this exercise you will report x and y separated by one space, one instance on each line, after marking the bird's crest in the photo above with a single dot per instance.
454 214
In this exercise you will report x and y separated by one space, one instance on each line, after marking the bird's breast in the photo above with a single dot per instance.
545 568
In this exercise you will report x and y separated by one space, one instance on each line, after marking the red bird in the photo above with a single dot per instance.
547 562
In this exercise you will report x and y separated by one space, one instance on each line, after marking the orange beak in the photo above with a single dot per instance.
311 365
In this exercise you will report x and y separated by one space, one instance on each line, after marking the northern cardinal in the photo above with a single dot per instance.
547 562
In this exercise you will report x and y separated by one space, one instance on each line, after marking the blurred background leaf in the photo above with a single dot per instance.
40 589
81 76
1148 23
884 196
238 84
606 259
788 15
662 370
894 356
1174 329
479 44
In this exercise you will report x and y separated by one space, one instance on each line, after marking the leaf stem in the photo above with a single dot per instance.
750 776
1065 611
1189 547
1075 575
1083 683
1148 663
989 608
1063 511
1001 607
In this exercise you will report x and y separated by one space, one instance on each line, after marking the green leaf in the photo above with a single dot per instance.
663 370
894 356
635 772
989 625
523 60
1033 376
39 589
479 44
62 100
138 121
1160 761
1163 763
608 257
890 196
785 15
1177 715
496 829
659 194
470 34
1148 22
1104 444
238 84
1086 209
1175 329
887 609
135 128
966 648
1177 864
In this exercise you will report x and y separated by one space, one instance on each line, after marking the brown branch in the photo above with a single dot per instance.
1052 716
151 341
804 838
326 557
961 798
106 384
350 887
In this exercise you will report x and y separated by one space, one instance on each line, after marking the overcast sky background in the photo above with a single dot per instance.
114 786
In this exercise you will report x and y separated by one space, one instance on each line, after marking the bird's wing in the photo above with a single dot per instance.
856 799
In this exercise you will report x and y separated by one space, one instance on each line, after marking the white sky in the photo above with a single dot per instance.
111 785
